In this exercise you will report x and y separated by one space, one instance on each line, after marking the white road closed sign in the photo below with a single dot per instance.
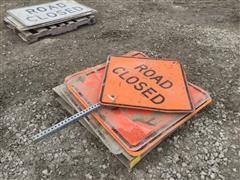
54 11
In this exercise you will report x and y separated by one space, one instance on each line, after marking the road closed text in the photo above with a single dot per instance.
51 11
141 86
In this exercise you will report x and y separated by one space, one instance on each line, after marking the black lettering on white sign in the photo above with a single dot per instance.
52 11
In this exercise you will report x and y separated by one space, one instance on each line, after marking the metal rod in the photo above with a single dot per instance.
64 123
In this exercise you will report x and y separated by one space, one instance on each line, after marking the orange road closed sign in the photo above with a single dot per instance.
143 83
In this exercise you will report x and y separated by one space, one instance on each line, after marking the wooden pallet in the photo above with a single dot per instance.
34 35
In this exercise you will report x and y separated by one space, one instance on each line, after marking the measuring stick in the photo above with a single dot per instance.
65 122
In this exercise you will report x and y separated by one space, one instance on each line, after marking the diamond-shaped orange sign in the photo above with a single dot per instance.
143 83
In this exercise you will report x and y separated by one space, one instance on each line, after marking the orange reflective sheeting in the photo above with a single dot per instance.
144 83
137 131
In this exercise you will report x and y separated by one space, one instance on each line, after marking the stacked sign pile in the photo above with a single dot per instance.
152 99
34 22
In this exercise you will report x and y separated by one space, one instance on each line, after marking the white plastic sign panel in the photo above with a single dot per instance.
44 13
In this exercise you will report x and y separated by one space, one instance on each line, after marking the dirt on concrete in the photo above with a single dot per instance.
204 35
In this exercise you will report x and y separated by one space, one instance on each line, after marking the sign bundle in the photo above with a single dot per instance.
139 102
34 22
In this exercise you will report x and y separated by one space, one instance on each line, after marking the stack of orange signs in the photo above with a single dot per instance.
152 99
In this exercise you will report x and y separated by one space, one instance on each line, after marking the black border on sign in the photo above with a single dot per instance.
122 139
143 107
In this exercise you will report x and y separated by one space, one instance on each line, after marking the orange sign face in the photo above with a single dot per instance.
145 83
137 131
